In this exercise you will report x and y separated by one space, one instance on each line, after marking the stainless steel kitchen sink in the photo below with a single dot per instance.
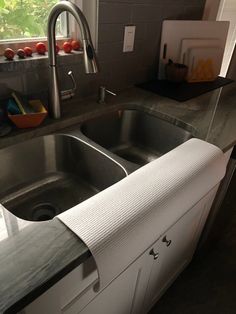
45 176
134 135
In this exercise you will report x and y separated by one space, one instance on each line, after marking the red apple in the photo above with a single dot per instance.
41 48
21 53
67 47
75 44
28 51
9 53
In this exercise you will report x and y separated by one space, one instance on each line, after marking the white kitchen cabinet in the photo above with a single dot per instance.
77 284
125 294
140 285
75 294
174 250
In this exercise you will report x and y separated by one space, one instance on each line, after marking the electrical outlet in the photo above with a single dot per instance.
129 38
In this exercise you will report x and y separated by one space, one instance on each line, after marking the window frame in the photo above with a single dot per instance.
90 9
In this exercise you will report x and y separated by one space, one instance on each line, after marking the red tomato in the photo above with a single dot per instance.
28 51
21 53
57 49
41 48
75 45
9 54
67 47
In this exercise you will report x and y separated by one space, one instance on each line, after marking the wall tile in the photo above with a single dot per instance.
9 82
110 33
114 12
35 81
110 51
146 13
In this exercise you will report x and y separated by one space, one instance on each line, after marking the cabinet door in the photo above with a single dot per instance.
173 252
115 299
124 295
46 304
74 293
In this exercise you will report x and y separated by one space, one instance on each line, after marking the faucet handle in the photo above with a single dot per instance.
102 94
70 74
69 93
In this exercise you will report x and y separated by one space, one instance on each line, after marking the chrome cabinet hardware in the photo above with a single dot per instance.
168 242
155 255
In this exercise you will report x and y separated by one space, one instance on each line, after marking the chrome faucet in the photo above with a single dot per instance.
90 61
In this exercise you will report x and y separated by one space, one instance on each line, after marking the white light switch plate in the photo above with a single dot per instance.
129 38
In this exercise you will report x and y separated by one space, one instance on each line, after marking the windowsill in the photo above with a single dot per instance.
30 63
30 42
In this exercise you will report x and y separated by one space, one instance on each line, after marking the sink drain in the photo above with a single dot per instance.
44 211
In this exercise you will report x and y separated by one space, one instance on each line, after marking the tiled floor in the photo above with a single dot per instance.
208 285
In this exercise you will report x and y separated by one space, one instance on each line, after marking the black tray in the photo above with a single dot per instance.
183 91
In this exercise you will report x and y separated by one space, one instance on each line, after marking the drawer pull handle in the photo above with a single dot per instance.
155 255
168 242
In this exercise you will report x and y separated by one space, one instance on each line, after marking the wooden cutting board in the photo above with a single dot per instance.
188 43
204 63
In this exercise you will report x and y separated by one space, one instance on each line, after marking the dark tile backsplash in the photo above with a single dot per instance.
118 70
126 69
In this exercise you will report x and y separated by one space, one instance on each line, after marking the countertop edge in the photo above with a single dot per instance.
37 292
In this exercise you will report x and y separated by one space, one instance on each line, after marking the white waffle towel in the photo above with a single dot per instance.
121 222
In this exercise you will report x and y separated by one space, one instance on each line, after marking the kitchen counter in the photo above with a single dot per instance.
35 255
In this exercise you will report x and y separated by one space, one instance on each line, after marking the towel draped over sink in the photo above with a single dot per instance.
121 222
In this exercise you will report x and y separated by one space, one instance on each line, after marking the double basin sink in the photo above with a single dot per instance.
43 177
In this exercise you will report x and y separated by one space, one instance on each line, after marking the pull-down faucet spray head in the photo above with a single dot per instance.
90 62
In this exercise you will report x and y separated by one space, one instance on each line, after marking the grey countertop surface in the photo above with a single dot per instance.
35 255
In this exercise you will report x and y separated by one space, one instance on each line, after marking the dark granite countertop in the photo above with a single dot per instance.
35 255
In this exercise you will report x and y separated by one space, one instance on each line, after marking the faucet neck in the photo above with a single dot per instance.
60 7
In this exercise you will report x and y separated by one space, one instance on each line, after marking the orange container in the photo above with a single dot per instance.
30 120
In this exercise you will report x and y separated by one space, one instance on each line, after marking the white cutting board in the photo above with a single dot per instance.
188 43
174 31
204 63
